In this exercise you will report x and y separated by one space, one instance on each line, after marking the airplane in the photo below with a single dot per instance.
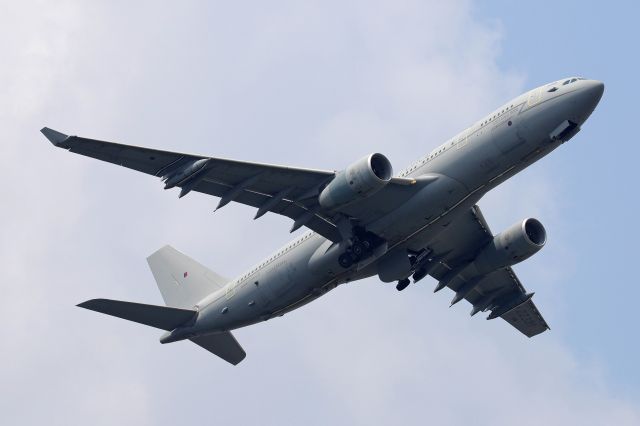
362 221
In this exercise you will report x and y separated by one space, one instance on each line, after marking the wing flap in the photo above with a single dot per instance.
285 207
455 249
526 318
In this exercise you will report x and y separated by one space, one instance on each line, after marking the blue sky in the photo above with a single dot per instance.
312 84
598 176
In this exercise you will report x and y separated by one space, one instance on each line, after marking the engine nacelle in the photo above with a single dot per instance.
517 243
360 180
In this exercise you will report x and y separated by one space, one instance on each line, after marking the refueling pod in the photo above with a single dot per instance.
188 172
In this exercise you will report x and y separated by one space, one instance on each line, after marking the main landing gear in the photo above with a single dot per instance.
358 250
346 260
421 264
362 245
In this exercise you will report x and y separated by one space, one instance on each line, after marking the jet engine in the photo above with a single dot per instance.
360 180
517 243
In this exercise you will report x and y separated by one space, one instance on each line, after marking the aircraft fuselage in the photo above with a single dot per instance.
466 167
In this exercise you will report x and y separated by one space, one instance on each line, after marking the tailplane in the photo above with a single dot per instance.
182 281
162 317
223 345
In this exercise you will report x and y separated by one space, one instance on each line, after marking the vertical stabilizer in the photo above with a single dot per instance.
182 281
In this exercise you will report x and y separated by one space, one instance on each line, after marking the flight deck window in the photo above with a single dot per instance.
566 82
553 89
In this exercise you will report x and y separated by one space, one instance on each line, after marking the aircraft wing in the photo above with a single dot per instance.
500 291
288 191
278 189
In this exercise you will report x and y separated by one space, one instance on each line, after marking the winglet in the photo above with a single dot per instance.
54 137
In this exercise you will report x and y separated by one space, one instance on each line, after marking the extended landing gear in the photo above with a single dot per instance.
346 260
402 284
362 245
358 248
357 251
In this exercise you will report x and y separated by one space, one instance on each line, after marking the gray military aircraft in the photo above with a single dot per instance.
363 221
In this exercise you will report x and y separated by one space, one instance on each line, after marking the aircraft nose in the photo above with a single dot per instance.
595 89
587 99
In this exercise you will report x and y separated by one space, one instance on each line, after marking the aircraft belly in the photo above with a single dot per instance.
432 201
475 163
421 238
285 282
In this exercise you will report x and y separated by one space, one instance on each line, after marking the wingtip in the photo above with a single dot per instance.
55 137
88 304
236 362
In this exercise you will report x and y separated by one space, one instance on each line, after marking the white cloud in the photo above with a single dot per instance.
310 84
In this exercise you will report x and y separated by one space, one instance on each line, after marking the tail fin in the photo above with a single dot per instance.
222 344
182 281
161 317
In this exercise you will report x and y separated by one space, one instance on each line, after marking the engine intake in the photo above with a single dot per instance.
519 242
360 180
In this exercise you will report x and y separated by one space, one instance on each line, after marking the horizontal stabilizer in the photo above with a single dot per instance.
222 344
162 317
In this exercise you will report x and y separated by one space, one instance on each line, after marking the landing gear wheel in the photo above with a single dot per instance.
402 284
345 260
357 249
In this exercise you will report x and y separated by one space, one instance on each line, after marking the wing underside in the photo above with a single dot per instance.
500 292
287 191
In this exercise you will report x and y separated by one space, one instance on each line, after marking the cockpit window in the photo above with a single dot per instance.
553 89
572 80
